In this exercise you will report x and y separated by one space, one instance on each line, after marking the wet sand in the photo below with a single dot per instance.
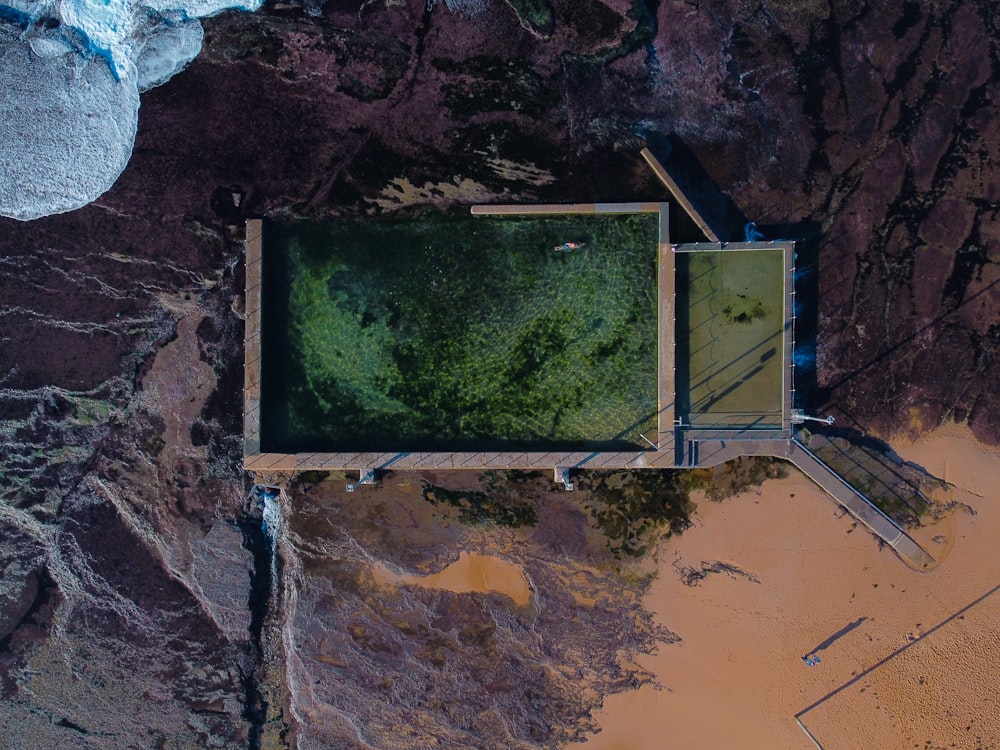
472 572
908 658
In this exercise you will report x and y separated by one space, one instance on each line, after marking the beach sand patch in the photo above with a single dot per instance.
738 678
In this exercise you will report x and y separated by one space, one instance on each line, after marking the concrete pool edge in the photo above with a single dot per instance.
786 385
252 340
659 454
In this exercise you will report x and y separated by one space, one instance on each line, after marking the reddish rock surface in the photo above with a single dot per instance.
863 129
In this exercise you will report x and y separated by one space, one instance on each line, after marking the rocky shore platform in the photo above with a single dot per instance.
139 604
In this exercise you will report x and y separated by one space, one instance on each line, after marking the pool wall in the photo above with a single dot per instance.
674 444
251 339
459 333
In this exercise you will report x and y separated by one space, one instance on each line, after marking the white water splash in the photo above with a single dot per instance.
70 76
271 506
272 523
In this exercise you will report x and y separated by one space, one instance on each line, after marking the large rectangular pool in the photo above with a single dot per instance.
457 334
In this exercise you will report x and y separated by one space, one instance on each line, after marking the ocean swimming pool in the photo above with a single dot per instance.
460 333
731 337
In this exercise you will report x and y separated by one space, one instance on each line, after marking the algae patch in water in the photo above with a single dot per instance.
466 333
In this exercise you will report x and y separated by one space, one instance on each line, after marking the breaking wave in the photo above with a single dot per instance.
70 79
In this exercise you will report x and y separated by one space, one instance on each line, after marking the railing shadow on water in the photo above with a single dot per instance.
808 236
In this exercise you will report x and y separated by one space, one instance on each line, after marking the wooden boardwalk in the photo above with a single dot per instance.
667 336
473 460
659 454
522 209
251 339
678 194
788 339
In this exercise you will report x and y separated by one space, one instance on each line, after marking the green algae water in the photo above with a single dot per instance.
730 325
469 333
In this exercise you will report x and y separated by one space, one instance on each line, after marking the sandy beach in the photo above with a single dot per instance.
908 659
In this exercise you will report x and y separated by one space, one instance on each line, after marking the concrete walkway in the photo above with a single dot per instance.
678 194
713 451
860 507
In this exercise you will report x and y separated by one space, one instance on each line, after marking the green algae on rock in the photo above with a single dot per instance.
634 508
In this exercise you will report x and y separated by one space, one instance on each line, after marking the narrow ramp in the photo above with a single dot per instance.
678 194
859 506
706 448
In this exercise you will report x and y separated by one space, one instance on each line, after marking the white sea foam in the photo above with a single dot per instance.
272 523
69 90
202 8
271 507
165 52
66 127
107 25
